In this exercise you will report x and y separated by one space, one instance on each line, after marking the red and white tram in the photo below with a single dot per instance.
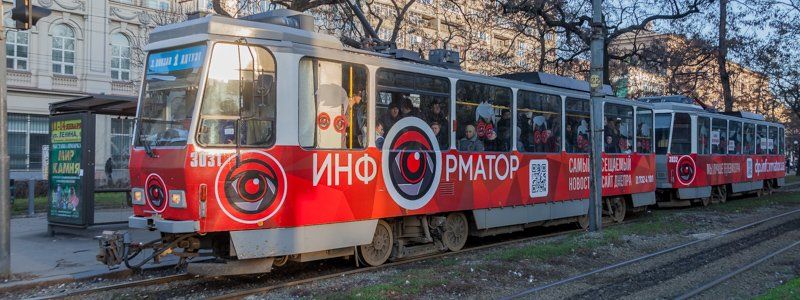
705 156
265 143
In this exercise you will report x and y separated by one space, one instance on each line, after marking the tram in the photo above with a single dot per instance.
264 142
705 156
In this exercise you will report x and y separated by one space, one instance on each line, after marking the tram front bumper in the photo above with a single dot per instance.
157 223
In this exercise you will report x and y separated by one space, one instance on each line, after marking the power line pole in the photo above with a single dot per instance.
5 200
596 82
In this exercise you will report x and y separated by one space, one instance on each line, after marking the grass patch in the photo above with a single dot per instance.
792 178
657 223
405 284
750 203
101 200
789 290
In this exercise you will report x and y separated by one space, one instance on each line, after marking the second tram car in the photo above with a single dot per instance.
265 143
705 156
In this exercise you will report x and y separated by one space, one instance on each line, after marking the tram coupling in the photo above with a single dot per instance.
112 247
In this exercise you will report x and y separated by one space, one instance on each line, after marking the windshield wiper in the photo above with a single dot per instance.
147 148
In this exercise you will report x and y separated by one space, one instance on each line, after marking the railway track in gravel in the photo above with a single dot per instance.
622 285
190 279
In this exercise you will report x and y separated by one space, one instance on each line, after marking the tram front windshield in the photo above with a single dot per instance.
171 81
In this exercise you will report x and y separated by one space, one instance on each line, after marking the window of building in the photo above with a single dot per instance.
159 4
703 135
578 128
26 135
644 130
719 136
662 126
479 110
772 142
239 98
749 139
16 49
333 104
618 129
120 57
121 133
681 134
734 137
539 122
761 139
63 54
403 94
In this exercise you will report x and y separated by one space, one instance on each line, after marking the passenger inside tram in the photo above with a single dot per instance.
440 136
356 114
470 141
612 136
391 116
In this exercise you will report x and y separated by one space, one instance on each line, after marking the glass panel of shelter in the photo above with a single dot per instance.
483 113
538 122
403 94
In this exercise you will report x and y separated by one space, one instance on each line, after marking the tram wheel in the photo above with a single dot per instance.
378 252
721 194
456 231
280 261
618 209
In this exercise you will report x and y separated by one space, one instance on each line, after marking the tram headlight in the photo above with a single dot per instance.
177 199
137 196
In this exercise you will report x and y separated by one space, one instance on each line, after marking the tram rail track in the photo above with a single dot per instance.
642 258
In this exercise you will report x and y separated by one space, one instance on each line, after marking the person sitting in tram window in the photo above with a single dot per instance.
470 140
492 143
571 136
358 107
391 116
441 138
436 114
379 134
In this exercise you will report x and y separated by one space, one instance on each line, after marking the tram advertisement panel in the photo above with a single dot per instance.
67 193
704 170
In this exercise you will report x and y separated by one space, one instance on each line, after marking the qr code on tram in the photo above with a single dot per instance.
539 178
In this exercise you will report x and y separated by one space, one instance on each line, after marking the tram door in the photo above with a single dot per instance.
331 105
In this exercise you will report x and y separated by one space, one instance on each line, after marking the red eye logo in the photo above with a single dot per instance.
411 163
686 170
156 192
254 190
323 121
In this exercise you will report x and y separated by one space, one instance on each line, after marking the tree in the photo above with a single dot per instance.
622 17
722 56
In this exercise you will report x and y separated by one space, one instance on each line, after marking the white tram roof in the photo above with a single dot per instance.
679 103
214 27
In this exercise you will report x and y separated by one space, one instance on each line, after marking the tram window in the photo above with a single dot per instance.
703 135
539 121
681 134
749 140
719 136
772 142
578 125
403 94
662 127
239 98
734 137
761 139
644 130
332 104
483 113
618 129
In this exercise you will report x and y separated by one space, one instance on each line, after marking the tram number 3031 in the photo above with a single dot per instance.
205 160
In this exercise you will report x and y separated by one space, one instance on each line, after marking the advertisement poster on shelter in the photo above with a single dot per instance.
65 169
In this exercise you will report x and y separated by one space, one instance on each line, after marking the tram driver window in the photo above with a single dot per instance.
577 125
681 134
734 137
404 94
662 127
332 104
618 129
239 98
703 135
719 136
644 130
539 121
483 113
749 141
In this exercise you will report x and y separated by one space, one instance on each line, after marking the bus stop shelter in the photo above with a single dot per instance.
89 183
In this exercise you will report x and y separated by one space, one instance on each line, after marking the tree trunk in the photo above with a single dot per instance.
722 57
